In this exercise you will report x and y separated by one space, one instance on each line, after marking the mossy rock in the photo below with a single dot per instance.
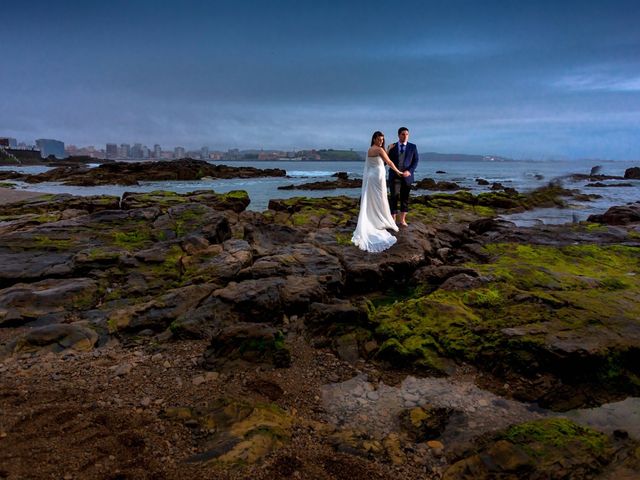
425 423
552 448
51 203
361 444
570 311
236 200
304 212
422 330
465 207
235 432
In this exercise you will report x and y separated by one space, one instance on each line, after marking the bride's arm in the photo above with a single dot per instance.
388 161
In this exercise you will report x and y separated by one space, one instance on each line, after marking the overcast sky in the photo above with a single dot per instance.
524 79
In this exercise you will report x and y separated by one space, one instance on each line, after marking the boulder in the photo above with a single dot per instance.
205 319
53 338
23 302
463 281
158 313
188 218
327 318
633 172
618 215
438 274
256 300
302 259
218 263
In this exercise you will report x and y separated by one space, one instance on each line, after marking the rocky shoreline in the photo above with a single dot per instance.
164 335
130 173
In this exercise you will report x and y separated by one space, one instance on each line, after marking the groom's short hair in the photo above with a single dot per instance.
402 129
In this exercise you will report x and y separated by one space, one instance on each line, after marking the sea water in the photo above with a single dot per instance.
521 175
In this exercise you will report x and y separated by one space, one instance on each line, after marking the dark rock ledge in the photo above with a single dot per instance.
130 173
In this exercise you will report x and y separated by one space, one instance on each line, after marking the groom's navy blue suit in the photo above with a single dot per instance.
399 185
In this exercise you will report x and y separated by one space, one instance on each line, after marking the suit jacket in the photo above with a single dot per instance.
410 161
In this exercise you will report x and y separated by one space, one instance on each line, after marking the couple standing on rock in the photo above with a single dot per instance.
375 216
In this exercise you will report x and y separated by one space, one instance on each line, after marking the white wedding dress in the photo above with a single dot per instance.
375 215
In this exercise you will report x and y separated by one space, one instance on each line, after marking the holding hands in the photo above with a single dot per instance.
406 173
388 161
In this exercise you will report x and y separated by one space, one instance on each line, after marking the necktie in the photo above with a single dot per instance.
401 148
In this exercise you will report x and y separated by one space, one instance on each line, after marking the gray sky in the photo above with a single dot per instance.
521 79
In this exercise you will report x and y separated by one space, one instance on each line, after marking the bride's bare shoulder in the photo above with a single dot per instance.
374 151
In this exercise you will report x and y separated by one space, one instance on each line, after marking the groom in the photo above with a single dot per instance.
405 157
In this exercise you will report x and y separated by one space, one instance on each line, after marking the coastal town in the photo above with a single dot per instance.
44 148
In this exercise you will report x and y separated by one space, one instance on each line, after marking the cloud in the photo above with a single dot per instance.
604 82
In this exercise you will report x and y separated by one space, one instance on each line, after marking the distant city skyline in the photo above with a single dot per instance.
141 151
540 79
103 145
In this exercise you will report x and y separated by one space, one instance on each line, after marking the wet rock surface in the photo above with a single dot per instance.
619 215
431 184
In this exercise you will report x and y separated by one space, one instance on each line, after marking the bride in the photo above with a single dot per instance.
375 216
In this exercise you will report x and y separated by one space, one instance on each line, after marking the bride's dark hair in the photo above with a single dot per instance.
375 137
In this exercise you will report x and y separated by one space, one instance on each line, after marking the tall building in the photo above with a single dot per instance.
8 142
49 147
178 152
136 151
145 152
125 150
204 153
112 150
157 152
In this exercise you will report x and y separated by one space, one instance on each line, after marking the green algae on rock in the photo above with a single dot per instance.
314 212
552 448
425 423
59 203
236 200
566 311
236 432
455 207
